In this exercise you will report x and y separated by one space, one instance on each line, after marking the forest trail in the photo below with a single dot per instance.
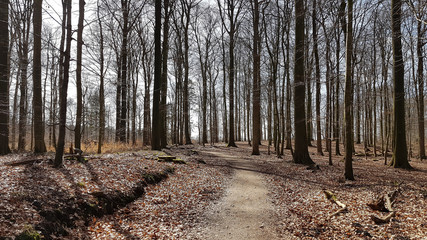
245 211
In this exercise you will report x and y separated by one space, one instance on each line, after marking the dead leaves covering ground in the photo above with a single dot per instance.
76 196
169 210
303 209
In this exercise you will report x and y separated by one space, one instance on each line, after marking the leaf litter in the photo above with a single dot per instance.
175 208
97 199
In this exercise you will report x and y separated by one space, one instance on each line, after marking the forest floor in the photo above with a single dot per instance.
221 193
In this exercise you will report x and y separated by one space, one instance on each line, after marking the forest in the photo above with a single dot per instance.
109 108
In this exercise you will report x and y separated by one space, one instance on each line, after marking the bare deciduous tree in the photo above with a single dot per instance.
301 154
4 80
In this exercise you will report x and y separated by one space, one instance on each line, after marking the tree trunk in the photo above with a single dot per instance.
79 112
237 100
231 141
385 116
39 144
124 71
23 61
146 135
337 97
328 115
301 154
256 104
179 63
248 93
374 102
54 98
66 27
186 100
155 137
358 111
118 98
15 111
269 114
341 19
204 107
420 77
224 88
318 96
400 152
135 82
272 46
288 126
232 11
214 110
212 106
309 117
205 69
283 101
4 74
101 132
348 98
146 68
164 84
22 122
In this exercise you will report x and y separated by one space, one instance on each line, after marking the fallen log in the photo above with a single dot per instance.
384 204
23 162
166 158
331 197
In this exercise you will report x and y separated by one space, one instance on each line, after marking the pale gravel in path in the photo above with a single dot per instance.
245 211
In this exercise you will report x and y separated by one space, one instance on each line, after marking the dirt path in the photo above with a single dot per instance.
245 211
